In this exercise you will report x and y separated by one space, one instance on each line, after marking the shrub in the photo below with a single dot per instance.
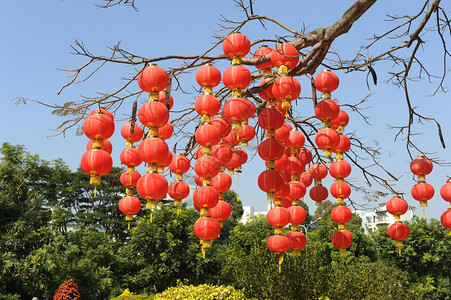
201 292
68 290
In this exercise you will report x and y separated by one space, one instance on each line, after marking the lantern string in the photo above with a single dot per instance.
203 252
399 252
95 191
151 216
128 227
178 211
280 262
424 212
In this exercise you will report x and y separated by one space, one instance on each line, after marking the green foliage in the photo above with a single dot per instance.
201 292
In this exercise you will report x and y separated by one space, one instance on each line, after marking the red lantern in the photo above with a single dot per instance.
165 162
297 214
262 51
397 207
208 76
295 139
242 154
318 171
98 126
205 196
166 131
270 181
327 138
130 180
306 155
278 243
222 153
199 181
286 202
231 139
162 99
102 144
295 165
101 111
298 241
207 229
266 94
180 164
207 135
318 194
237 77
283 133
152 186
340 121
222 124
238 110
281 163
340 169
207 166
341 214
278 216
234 162
286 55
96 162
343 145
286 88
153 79
342 239
126 132
445 191
246 134
340 189
129 206
445 218
207 104
306 178
327 110
236 44
220 211
422 192
326 81
178 190
421 166
221 182
153 114
284 191
270 149
270 119
399 232
153 150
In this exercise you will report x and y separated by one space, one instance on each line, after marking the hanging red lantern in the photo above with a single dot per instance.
153 150
278 216
222 124
262 51
153 114
399 232
295 165
343 145
96 163
283 133
101 111
207 104
421 166
270 149
207 166
327 139
207 135
284 191
246 134
129 179
166 131
236 44
153 79
297 214
340 189
236 77
221 182
445 191
397 207
341 121
162 100
326 81
180 164
270 181
327 110
342 239
278 243
165 162
199 181
129 206
298 241
295 139
306 178
234 162
205 196
152 186
243 155
286 89
221 211
270 119
208 76
98 126
422 192
100 144
281 163
207 229
340 169
267 94
178 190
318 194
136 136
286 202
318 171
306 155
231 139
238 110
341 215
445 219
285 55
222 153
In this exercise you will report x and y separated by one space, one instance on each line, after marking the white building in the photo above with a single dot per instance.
372 220
250 212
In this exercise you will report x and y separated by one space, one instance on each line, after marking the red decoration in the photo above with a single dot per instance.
246 134
422 191
295 139
96 162
306 178
285 54
340 169
281 163
445 218
306 155
278 243
343 145
222 153
236 44
327 110
153 150
286 88
262 51
238 110
207 104
106 145
278 216
129 206
327 138
166 131
207 135
445 191
198 180
208 76
399 232
295 165
286 202
101 110
297 214
283 133
207 166
180 164
165 162
397 206
234 163
207 229
421 166
340 121
326 81
284 191
162 99
341 214
152 186
318 194
231 139
98 126
270 181
298 240
220 211
318 171
153 79
129 180
178 190
342 239
237 77
243 155
270 119
221 182
270 149
340 189
126 132
153 114
205 196
222 124
266 94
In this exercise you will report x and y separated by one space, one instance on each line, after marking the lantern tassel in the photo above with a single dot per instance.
424 213
238 198
178 211
203 252
280 262
399 252
95 191
151 217
128 227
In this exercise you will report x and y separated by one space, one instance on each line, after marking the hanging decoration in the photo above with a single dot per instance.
398 231
445 193
422 191
178 189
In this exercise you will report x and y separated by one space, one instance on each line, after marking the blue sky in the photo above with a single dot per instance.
36 37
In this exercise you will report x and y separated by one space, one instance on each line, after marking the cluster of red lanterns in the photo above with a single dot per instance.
422 191
97 161
445 193
398 231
